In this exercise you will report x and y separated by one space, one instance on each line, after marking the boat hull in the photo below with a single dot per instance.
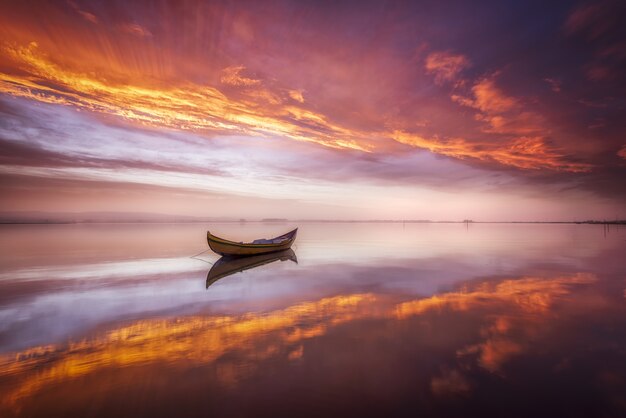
225 247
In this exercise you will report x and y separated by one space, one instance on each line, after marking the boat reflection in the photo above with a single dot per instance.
226 266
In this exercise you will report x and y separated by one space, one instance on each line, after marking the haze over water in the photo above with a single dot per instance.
372 320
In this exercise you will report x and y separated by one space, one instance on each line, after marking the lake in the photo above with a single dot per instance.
492 320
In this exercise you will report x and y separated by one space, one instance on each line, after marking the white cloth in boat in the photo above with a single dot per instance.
269 241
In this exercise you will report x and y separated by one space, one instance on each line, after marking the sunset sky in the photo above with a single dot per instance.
314 109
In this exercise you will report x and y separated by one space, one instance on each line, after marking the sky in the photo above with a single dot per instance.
442 110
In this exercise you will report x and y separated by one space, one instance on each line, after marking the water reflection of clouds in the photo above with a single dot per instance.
106 270
433 306
506 318
69 299
66 300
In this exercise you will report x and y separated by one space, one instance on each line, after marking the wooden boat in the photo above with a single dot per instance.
226 266
260 246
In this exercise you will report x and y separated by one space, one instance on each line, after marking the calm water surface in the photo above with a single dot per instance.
372 320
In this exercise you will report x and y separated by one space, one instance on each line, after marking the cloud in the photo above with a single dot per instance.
451 382
350 84
296 95
135 30
598 72
488 98
445 66
526 144
529 153
35 135
555 85
88 16
195 107
186 106
232 76
599 26
592 19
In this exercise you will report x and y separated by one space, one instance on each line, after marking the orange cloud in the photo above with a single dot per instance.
503 114
489 99
232 76
526 145
494 352
529 153
296 95
245 105
445 66
184 106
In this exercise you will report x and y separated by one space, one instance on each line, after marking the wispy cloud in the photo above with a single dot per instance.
445 66
555 85
520 134
297 95
135 30
184 106
233 77
204 108
85 15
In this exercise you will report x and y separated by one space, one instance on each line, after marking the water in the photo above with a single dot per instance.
372 320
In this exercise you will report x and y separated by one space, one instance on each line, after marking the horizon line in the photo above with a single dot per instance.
282 221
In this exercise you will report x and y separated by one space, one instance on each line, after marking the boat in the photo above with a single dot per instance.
226 265
226 247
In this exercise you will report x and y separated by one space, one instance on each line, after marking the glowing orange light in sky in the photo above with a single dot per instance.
259 110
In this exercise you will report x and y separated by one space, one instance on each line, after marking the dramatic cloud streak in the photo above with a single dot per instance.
187 106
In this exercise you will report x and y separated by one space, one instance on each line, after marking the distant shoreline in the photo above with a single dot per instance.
374 221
